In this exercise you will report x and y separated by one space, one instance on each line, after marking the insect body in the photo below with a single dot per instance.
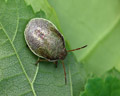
45 41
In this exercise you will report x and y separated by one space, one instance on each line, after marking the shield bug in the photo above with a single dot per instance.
45 41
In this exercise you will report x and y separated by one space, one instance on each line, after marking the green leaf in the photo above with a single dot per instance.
18 74
37 5
113 72
78 75
78 78
95 23
98 87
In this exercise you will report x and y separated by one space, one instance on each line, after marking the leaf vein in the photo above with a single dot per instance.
7 56
3 42
19 61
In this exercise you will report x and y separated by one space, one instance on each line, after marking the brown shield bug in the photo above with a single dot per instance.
45 41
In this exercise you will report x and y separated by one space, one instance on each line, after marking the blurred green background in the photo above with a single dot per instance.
92 22
95 23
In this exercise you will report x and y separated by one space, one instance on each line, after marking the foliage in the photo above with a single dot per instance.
95 23
92 22
18 74
98 87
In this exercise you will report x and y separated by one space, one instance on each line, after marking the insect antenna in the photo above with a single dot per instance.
64 72
77 48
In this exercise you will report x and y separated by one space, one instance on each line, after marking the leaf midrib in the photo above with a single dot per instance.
11 42
31 84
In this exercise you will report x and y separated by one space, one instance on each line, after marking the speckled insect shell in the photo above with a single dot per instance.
44 40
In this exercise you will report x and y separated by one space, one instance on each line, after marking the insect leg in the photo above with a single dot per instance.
64 72
39 60
56 62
